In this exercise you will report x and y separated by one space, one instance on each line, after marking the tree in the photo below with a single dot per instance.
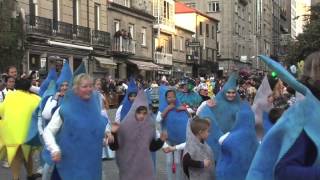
11 35
308 41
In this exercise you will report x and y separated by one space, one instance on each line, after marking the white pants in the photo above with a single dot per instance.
177 155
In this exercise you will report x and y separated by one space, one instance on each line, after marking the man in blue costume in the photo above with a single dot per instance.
187 96
292 145
238 147
223 114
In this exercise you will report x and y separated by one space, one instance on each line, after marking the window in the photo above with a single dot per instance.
97 17
207 30
200 28
213 33
144 37
131 30
127 3
191 5
174 37
181 43
213 6
166 10
236 8
36 11
236 28
116 25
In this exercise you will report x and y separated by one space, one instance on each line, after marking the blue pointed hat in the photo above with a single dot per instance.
81 69
52 75
281 137
230 84
65 75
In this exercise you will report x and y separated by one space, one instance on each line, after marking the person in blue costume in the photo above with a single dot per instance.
238 147
174 121
74 137
52 75
50 103
127 101
290 150
222 113
187 96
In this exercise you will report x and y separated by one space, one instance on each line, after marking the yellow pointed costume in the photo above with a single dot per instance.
16 111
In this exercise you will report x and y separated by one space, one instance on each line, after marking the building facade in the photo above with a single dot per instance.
204 43
73 30
131 26
314 2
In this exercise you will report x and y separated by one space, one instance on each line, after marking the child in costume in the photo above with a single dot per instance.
16 112
293 143
198 161
174 122
134 139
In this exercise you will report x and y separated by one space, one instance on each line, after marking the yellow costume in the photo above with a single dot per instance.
16 111
210 88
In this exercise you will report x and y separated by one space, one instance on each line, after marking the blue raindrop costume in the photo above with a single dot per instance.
239 147
80 138
45 89
175 123
191 98
126 103
222 116
300 119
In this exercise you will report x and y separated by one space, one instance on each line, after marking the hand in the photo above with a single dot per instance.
182 108
164 136
57 95
110 138
56 156
171 106
207 163
115 127
169 149
211 103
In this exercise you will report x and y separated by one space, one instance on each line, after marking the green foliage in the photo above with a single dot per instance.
308 41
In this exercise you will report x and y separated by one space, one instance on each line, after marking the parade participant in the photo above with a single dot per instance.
127 101
10 83
221 112
292 144
12 71
262 106
74 134
16 111
203 92
238 146
198 161
174 122
187 96
134 139
52 75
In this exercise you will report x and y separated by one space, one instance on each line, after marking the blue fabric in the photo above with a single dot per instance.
192 98
126 104
239 147
225 110
33 138
52 75
215 131
267 125
302 116
81 138
81 69
65 75
162 97
297 164
176 125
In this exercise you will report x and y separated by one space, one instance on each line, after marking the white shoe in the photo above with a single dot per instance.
5 164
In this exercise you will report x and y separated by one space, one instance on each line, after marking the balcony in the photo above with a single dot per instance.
64 30
100 38
39 25
163 58
123 46
81 33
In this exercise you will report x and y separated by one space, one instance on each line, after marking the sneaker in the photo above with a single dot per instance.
5 164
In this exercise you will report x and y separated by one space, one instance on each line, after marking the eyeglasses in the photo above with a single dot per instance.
231 92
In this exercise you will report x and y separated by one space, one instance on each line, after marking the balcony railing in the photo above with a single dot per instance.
163 58
39 25
123 46
64 30
81 33
100 38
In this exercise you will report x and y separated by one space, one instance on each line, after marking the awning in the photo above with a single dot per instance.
106 62
142 65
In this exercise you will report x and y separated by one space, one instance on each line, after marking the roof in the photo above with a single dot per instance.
182 8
